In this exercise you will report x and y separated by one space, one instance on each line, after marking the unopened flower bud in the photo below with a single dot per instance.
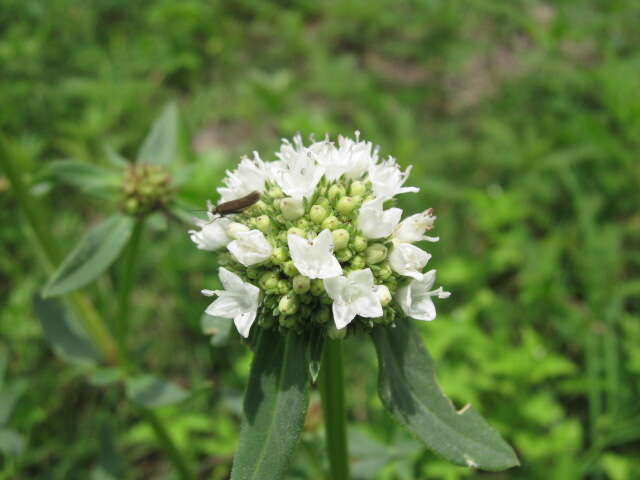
225 259
269 281
301 284
385 272
376 253
287 321
331 223
358 262
296 231
288 304
275 192
291 208
360 244
235 228
322 315
317 287
335 191
384 295
318 213
336 334
340 238
263 223
279 255
283 286
344 255
289 269
357 188
346 205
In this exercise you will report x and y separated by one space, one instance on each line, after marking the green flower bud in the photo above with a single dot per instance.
324 202
287 321
346 205
385 272
291 208
275 192
384 295
340 238
359 244
288 304
279 255
253 273
224 259
301 284
283 287
266 321
335 191
131 205
376 253
344 255
289 269
358 262
297 231
336 334
269 281
331 223
357 188
318 213
263 223
303 224
260 205
317 287
321 315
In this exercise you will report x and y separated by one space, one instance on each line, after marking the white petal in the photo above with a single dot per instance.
334 286
368 305
408 260
343 314
375 222
416 299
212 234
224 306
250 176
230 281
243 322
250 248
314 259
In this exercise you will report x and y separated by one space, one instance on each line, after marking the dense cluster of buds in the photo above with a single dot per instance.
145 188
323 246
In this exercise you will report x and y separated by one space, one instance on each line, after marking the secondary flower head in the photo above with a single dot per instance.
324 247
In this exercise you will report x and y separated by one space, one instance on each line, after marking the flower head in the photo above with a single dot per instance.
324 242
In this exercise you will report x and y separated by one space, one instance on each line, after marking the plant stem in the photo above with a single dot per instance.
126 282
167 443
332 392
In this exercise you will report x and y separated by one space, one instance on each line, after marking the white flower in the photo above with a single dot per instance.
408 260
387 179
238 300
212 234
355 294
416 300
296 173
412 228
350 158
376 223
250 247
314 258
248 177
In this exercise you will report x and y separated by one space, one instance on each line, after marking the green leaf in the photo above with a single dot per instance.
275 405
9 396
219 328
88 178
66 339
409 390
11 442
150 391
95 252
160 146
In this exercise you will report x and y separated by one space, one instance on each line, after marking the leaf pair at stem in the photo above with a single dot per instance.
277 397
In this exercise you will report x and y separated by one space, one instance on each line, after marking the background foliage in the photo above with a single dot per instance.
522 121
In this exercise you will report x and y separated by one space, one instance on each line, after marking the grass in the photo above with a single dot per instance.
522 121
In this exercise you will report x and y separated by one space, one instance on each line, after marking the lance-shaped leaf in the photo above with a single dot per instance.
66 339
151 391
88 178
409 390
275 405
161 145
95 252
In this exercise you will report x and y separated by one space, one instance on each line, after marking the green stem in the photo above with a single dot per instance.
332 392
126 282
80 304
167 443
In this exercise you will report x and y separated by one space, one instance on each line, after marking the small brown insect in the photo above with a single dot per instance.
237 205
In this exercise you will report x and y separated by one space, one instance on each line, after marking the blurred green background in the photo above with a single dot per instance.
522 121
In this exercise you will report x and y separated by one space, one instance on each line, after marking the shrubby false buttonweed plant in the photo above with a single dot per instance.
323 245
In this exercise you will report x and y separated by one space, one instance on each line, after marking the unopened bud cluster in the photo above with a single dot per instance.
145 188
323 247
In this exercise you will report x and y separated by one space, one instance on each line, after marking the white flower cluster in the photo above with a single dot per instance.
323 241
